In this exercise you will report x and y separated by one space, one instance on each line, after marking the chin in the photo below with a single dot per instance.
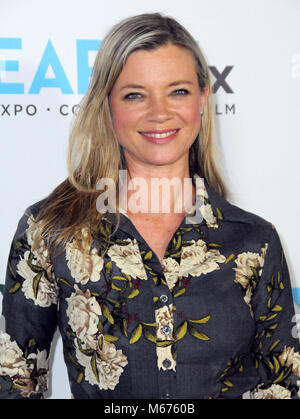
162 162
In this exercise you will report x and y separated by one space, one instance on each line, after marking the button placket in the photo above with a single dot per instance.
166 363
166 330
164 298
164 323
164 317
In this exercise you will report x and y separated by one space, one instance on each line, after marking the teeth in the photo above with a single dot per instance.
164 135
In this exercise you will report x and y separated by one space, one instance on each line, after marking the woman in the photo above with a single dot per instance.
188 302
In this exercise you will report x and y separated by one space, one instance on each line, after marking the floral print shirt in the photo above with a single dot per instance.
213 320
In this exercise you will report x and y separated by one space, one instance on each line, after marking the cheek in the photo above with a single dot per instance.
192 116
123 120
118 114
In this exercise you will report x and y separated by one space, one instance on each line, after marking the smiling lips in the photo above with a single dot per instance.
159 136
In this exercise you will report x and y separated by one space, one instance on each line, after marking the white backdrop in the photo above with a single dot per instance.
49 48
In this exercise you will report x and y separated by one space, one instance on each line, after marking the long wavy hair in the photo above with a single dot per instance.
94 151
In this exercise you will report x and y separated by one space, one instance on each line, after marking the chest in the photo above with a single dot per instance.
157 232
121 296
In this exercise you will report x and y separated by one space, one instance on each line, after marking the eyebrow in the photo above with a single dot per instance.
138 86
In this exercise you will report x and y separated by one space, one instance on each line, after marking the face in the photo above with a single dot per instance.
155 106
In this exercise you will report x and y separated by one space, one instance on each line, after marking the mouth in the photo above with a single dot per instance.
159 136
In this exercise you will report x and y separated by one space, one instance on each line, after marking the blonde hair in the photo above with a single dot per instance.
94 151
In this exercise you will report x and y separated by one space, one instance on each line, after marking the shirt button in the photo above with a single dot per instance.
166 330
166 363
163 298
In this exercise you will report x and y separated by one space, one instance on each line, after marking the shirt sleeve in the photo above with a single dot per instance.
276 344
30 315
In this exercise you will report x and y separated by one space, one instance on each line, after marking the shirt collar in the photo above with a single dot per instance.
211 209
224 211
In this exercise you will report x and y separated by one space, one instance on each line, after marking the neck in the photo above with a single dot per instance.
157 189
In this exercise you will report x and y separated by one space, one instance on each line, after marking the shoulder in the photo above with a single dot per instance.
239 218
29 214
35 208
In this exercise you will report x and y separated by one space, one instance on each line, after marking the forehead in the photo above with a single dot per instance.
167 62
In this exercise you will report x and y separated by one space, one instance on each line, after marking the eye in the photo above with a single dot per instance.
181 92
132 96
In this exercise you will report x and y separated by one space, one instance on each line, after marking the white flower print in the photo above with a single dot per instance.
164 317
14 365
247 260
200 186
46 290
274 392
83 312
208 215
128 259
196 259
171 271
12 361
84 263
41 254
42 363
39 285
109 364
162 355
164 331
290 357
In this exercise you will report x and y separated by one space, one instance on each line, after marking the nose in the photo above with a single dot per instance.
158 110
